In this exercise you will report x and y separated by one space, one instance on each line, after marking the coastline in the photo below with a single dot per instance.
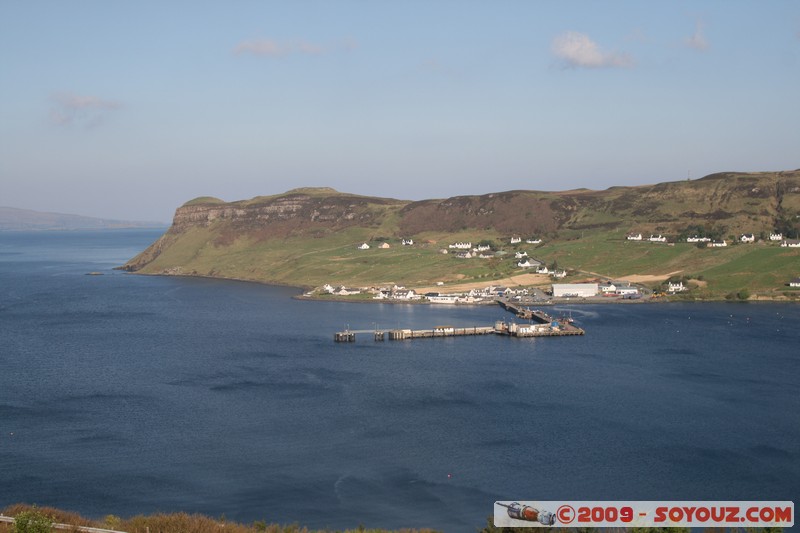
550 302
218 278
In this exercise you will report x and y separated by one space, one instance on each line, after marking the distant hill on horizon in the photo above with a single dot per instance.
12 218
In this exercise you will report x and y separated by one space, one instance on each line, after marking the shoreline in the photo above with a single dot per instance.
567 301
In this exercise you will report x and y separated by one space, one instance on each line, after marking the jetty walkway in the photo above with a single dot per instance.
541 325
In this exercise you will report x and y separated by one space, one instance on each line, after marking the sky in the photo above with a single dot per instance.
126 110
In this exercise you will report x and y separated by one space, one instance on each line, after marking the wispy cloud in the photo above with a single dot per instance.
578 50
697 41
272 48
87 111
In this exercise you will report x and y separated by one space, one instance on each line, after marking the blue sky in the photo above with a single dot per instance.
128 109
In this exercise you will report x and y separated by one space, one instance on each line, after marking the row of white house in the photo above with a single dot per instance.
652 238
744 237
532 240
365 246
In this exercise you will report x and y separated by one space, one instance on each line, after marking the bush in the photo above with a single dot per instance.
32 521
112 521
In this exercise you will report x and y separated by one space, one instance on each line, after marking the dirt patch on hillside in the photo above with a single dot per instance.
645 278
511 281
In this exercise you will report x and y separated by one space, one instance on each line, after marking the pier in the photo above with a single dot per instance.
540 325
403 334
524 312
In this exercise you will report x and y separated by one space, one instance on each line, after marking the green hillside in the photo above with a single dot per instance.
309 237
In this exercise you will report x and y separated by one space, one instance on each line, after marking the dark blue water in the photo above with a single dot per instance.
129 394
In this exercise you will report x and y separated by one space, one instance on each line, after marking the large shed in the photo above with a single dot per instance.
581 290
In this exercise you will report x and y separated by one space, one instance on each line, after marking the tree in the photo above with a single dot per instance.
743 294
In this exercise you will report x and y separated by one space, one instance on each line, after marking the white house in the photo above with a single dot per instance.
627 290
464 255
718 244
657 238
584 290
558 274
776 236
695 238
328 288
364 246
442 298
542 269
791 243
384 245
408 242
795 282
608 288
520 255
675 287
516 240
525 264
635 237
461 246
747 237
534 241
482 248
344 291
405 295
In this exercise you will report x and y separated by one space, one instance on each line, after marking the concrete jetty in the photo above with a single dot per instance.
540 325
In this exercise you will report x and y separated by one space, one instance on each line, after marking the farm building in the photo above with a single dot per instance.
582 290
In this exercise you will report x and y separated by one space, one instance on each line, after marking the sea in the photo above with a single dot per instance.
126 394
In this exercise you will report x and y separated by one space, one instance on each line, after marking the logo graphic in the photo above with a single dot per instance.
530 514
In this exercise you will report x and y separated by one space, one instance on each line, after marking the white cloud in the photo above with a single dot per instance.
697 41
87 111
270 48
578 50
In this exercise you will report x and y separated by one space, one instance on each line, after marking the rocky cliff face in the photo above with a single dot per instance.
327 211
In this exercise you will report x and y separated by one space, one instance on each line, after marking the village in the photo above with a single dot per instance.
539 292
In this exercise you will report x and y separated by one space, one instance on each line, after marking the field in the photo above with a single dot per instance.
762 269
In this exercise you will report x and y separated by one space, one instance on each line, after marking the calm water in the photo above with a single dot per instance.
130 394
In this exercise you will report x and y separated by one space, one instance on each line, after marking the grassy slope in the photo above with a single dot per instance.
314 261
760 267
335 259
